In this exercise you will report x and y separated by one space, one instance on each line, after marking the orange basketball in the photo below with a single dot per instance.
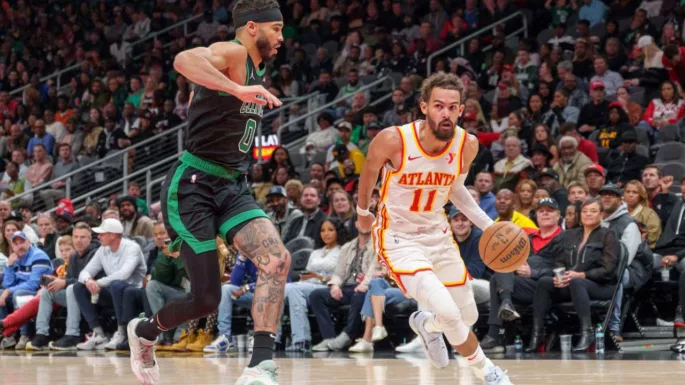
504 247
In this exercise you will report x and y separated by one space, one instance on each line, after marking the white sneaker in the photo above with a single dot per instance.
116 339
413 346
322 346
362 346
496 376
378 333
143 361
220 345
264 374
92 342
433 343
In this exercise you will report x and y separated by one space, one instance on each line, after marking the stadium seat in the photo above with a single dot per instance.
299 259
674 169
299 244
332 47
671 152
668 133
602 308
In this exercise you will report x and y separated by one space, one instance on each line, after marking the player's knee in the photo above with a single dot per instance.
449 317
469 314
277 266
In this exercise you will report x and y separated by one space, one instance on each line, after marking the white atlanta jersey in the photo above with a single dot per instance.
413 195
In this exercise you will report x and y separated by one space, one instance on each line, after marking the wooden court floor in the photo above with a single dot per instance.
113 369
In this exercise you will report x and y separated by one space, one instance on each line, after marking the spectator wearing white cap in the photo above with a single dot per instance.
123 264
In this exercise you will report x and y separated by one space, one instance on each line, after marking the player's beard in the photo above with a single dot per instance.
441 134
264 48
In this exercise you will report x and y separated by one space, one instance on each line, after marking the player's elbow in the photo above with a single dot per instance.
181 61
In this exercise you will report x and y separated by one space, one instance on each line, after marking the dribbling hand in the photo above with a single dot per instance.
250 94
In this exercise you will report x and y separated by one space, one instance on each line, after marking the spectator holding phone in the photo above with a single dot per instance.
320 268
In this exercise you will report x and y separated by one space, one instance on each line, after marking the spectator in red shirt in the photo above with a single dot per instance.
668 109
674 63
585 146
432 44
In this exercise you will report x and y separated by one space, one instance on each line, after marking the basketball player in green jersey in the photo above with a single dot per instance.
205 192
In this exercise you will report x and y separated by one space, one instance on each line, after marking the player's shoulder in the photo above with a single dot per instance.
231 48
390 135
470 143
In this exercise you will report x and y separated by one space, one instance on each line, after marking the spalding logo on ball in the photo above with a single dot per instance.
504 247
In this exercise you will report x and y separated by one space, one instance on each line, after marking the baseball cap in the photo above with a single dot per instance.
64 214
645 41
109 225
340 149
345 125
373 126
548 171
469 116
615 104
503 84
508 67
595 168
15 216
548 202
276 190
453 212
19 234
610 187
596 84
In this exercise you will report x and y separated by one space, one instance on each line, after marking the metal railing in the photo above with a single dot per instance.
312 113
111 160
489 29
77 66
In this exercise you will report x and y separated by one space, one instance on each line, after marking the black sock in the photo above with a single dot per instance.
505 296
149 329
263 349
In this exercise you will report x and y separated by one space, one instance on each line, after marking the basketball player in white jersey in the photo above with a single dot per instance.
424 164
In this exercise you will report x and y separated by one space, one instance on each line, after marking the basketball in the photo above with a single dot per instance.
504 247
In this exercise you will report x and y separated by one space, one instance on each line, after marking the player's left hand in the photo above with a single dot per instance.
361 288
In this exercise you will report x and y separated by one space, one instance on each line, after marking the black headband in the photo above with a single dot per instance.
262 16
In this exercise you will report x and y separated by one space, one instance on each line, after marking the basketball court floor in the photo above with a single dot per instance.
81 368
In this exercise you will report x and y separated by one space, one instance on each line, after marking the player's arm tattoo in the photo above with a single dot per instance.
260 242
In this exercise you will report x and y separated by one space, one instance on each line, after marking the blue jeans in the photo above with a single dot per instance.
381 287
297 295
121 291
615 320
11 306
64 298
226 307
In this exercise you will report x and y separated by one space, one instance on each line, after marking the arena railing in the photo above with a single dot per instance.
461 43
313 113
167 143
77 67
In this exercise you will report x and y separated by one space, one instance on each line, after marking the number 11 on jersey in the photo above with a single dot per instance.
416 202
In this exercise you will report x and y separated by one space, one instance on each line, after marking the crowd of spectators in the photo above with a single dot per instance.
565 121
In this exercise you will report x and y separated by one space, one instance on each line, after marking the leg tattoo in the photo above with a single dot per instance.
260 242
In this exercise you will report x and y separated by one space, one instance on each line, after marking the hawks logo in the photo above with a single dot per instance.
193 178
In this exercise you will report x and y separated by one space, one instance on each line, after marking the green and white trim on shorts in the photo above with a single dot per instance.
189 160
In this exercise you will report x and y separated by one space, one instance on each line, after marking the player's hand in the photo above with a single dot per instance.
336 292
259 95
361 288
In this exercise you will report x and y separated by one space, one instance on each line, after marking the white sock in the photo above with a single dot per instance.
431 325
122 330
479 363
97 331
